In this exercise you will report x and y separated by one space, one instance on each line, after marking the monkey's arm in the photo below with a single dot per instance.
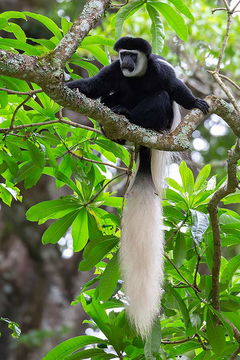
184 97
99 85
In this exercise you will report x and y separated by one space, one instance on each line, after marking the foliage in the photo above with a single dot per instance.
35 142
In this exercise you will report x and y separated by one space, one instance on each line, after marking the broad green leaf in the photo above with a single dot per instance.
80 230
179 251
215 334
57 230
157 30
98 53
5 195
184 348
173 18
229 271
66 25
13 15
187 177
182 307
50 24
200 224
93 354
182 8
52 209
96 252
124 13
109 278
174 184
13 326
61 351
30 173
17 31
97 40
231 199
20 45
202 177
153 342
36 154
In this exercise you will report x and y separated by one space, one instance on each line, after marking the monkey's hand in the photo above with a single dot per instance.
202 105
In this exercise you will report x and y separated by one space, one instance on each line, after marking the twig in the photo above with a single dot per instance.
32 92
104 187
196 268
16 110
226 90
234 8
97 162
169 342
229 187
218 9
229 20
230 80
195 289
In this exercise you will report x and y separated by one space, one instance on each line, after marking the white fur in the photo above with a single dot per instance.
141 253
141 66
142 241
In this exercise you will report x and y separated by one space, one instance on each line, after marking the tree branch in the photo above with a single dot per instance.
92 12
229 187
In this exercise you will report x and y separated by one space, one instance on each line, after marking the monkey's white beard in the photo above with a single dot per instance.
142 241
141 66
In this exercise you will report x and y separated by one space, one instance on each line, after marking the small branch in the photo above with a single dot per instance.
31 92
230 81
224 45
229 187
218 9
234 8
169 342
16 110
226 90
103 188
195 289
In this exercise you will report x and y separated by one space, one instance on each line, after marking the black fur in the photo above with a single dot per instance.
145 100
130 43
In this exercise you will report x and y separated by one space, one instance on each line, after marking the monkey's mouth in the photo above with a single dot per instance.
127 64
129 67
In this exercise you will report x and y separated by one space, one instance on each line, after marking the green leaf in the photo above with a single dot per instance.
5 195
187 177
92 354
52 209
182 8
202 177
157 30
50 24
61 351
17 31
97 40
182 307
184 348
20 45
36 154
56 230
13 326
174 184
80 230
124 13
13 15
215 333
109 278
179 252
200 224
229 271
173 18
231 199
94 252
98 53
153 342
30 173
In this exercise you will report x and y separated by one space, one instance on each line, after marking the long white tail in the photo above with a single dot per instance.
142 242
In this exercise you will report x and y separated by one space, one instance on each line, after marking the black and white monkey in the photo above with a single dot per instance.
143 87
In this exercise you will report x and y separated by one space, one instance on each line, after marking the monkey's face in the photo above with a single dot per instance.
132 62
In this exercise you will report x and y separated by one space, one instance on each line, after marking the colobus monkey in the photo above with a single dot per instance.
143 87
